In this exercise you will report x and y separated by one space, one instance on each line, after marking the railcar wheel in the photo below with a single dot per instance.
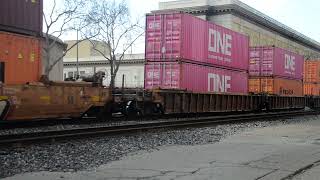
132 110
152 109
158 109
311 102
4 108
105 112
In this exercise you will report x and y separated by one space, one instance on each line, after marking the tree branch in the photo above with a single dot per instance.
113 21
66 51
63 19
94 46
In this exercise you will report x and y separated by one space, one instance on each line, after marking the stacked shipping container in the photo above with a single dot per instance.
185 52
194 77
311 77
20 41
22 17
275 71
20 58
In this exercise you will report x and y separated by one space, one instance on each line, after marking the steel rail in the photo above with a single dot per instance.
35 123
51 136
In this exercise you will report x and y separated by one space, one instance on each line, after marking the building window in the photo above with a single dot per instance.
82 73
75 74
64 75
70 74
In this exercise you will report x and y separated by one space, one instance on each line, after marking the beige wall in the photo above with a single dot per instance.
260 36
86 49
182 4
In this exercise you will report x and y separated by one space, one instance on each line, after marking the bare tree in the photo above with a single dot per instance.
116 29
64 16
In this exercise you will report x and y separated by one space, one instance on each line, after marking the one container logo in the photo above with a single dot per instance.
254 54
220 42
218 83
290 63
153 75
154 25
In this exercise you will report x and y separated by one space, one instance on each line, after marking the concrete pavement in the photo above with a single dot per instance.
272 153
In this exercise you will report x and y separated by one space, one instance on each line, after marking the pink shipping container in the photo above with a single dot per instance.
273 61
177 36
194 77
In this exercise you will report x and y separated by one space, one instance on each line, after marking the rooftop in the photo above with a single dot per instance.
99 60
210 7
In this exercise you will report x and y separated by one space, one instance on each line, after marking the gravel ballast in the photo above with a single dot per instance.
90 153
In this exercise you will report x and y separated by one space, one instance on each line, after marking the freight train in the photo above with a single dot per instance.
76 100
192 66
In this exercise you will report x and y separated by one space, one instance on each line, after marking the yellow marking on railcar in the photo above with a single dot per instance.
95 98
20 56
4 98
32 57
45 98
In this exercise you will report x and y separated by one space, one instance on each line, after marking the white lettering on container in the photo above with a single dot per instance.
289 62
154 25
218 83
220 43
153 75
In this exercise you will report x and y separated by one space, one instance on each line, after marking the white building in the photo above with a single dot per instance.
131 69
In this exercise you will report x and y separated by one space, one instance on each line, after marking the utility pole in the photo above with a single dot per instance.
77 77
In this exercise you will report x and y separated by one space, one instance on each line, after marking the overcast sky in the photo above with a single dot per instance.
302 16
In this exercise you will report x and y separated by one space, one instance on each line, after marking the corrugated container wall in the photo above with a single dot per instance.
272 61
19 58
311 72
311 89
178 36
277 86
194 77
21 16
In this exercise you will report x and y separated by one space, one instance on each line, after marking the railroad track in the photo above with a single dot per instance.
37 123
51 136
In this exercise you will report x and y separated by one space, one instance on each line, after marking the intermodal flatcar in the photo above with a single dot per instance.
57 100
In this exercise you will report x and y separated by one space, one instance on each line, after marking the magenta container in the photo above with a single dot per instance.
175 36
273 61
194 77
21 16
